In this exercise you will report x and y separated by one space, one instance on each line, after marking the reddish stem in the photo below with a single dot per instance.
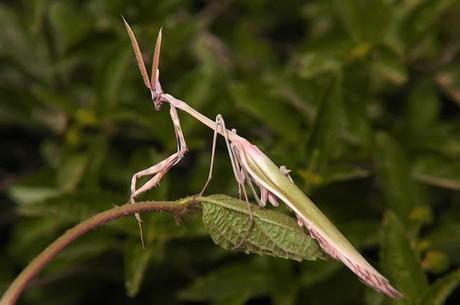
16 288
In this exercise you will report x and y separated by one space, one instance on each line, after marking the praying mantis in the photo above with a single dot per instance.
250 167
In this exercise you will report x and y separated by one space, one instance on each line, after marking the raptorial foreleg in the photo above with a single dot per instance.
160 169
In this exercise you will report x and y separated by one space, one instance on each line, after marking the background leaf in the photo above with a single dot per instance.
441 289
400 261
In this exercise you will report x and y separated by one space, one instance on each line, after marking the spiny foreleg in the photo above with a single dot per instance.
160 169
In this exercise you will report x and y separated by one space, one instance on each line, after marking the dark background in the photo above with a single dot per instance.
359 98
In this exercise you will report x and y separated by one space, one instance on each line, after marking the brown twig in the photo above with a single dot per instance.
16 288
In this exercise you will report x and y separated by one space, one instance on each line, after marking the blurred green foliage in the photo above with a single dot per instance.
359 98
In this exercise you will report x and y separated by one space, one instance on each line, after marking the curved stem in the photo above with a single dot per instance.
39 262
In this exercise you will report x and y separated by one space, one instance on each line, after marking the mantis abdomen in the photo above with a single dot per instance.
332 241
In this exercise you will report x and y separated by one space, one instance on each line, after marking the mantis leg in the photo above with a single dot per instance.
245 176
239 173
235 165
160 169
286 172
266 195
213 152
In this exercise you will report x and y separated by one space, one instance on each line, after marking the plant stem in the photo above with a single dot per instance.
16 288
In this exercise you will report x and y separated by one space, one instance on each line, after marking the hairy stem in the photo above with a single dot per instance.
39 262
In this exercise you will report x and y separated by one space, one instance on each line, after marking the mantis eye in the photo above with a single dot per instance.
156 98
157 104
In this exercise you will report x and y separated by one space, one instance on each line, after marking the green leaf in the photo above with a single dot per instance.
314 64
390 66
35 9
445 237
435 261
24 194
71 208
16 42
54 100
136 261
254 99
442 288
7 274
399 189
343 172
324 138
234 284
69 23
449 81
438 171
400 261
271 233
111 75
422 107
312 274
71 171
366 21
31 236
374 298
421 20
282 282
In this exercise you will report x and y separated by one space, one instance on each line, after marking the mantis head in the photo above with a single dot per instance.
157 95
152 83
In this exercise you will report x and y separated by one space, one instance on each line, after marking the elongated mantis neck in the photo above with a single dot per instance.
232 136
